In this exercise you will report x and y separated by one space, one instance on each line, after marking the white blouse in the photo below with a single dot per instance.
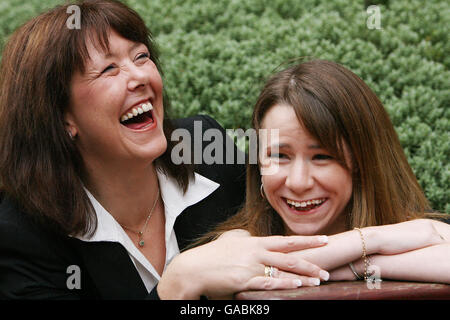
108 229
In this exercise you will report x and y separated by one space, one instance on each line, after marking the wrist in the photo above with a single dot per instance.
373 239
176 285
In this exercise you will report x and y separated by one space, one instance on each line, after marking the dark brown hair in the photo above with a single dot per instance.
337 108
40 167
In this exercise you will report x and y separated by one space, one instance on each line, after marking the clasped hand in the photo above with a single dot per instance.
236 261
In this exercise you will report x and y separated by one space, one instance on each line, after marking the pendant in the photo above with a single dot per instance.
141 243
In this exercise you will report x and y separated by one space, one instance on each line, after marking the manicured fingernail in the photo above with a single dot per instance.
314 281
298 282
323 239
324 275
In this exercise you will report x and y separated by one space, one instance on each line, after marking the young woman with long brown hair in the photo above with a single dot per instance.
336 167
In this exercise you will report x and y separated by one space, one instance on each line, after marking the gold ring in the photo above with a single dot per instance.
268 271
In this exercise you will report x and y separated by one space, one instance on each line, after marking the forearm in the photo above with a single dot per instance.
430 264
385 240
341 249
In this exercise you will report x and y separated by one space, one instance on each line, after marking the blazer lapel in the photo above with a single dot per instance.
111 270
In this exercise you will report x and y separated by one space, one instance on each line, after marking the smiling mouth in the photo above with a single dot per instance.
305 205
139 117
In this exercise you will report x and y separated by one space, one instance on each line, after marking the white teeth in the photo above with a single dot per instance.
147 107
304 203
135 111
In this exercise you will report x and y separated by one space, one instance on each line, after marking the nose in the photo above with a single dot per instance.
138 78
300 177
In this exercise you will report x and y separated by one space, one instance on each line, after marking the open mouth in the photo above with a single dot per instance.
139 117
305 205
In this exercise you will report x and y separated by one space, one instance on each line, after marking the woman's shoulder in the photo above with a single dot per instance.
22 235
31 256
199 122
21 229
12 217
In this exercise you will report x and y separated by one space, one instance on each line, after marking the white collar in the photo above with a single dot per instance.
175 201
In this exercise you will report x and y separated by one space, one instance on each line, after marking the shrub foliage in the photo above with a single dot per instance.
217 54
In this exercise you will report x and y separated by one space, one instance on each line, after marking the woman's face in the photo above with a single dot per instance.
117 85
309 189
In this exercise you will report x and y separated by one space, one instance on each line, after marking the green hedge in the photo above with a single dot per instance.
216 55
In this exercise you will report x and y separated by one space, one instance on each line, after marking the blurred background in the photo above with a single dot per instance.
216 55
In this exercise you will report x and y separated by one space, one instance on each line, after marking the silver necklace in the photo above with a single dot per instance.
141 241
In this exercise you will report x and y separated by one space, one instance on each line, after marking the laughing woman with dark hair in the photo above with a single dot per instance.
91 204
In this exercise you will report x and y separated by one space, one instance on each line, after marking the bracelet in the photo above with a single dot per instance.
364 257
357 275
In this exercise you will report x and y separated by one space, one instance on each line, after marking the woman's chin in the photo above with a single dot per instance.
303 229
146 145
152 153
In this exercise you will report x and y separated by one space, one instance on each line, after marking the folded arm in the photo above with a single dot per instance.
430 264
417 249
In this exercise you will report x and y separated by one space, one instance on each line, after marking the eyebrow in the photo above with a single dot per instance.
133 47
284 145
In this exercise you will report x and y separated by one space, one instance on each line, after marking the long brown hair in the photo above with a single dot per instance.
40 167
337 108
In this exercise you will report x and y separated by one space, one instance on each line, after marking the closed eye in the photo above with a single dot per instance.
322 157
140 57
144 55
108 68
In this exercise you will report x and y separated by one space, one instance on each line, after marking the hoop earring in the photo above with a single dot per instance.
261 190
70 135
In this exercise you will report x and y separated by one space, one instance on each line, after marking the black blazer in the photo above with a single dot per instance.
34 261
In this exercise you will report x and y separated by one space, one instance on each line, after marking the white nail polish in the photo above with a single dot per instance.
323 239
324 275
298 282
315 281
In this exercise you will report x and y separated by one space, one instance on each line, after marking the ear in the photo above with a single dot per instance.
71 127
